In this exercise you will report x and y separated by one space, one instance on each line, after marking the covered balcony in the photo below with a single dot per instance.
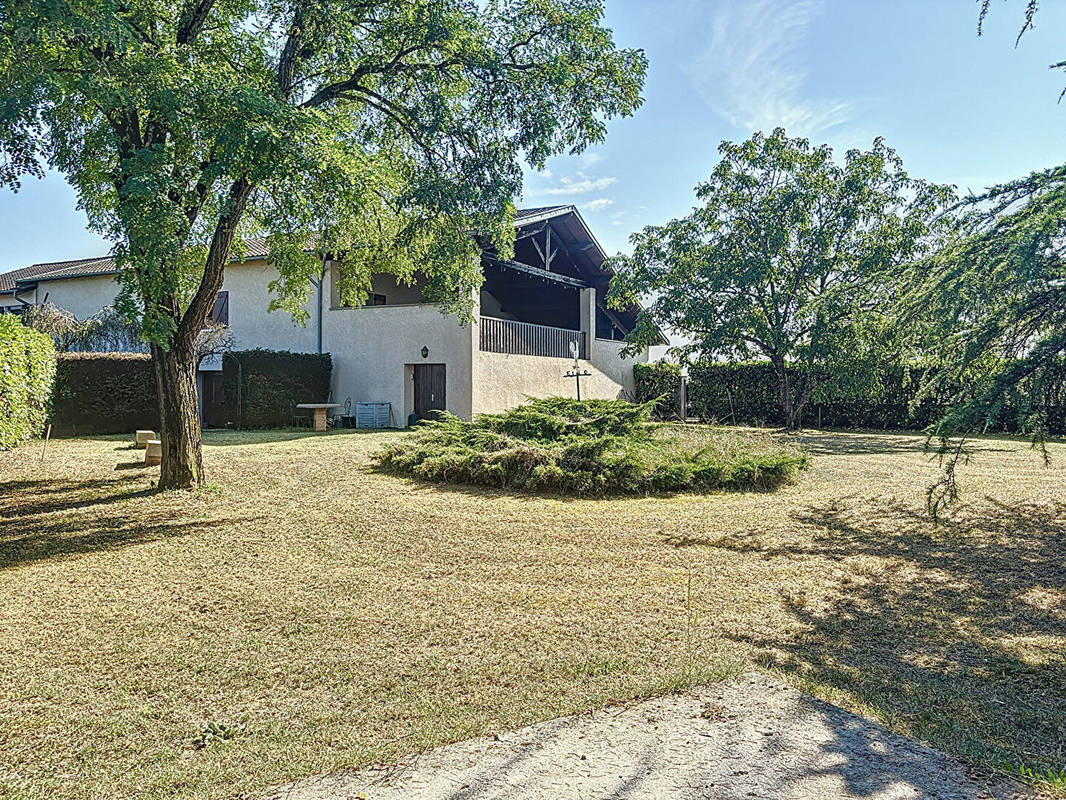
550 296
529 339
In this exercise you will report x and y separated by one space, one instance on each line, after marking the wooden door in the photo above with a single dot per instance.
213 401
430 385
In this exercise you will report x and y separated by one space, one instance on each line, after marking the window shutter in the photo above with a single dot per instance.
220 311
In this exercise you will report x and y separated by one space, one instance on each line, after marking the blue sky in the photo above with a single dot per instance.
958 108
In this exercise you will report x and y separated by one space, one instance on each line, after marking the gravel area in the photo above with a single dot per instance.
749 738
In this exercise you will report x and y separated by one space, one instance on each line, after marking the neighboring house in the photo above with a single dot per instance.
400 350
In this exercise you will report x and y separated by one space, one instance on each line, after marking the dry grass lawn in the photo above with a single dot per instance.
305 614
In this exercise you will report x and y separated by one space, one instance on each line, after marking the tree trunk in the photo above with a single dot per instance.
182 466
179 418
799 402
784 393
792 399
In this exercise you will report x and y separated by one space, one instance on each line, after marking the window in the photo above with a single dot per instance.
220 312
376 300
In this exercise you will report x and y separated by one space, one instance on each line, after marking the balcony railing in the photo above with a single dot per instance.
527 339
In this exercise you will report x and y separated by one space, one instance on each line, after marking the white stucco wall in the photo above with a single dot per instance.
83 297
502 381
605 355
395 291
374 348
249 298
250 321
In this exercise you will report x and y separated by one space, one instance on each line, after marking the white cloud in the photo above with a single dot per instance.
582 184
752 75
598 204
590 159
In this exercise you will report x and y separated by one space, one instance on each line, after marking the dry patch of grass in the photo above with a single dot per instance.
305 614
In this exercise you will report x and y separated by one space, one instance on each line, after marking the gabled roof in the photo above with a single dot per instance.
58 269
590 258
524 216
255 249
86 267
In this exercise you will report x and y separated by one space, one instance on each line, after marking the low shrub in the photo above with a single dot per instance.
590 447
99 393
260 386
27 373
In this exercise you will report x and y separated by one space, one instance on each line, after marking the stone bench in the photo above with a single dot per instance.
153 453
142 437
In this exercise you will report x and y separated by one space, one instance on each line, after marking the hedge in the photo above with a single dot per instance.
104 393
745 394
27 374
260 386
659 379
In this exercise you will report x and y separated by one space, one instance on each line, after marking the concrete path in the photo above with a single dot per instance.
750 738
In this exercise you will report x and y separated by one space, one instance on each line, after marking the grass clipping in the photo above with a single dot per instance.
589 447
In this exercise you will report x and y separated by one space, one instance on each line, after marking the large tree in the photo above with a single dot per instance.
385 131
988 310
788 259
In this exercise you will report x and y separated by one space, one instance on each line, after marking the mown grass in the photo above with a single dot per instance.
590 448
307 613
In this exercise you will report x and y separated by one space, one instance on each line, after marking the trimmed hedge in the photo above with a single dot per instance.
27 374
260 386
659 379
104 393
744 393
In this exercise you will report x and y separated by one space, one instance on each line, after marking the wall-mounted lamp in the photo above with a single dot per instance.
425 352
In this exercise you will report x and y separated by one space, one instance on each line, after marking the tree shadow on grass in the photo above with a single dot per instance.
46 539
836 443
21 499
954 634
865 443
229 438
35 523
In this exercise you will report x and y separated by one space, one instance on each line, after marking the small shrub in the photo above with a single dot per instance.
27 374
591 447
217 732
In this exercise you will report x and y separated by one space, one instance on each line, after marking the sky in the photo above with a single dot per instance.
957 108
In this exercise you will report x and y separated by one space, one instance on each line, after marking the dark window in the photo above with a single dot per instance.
377 299
220 311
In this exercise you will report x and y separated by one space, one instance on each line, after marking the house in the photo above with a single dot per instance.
534 311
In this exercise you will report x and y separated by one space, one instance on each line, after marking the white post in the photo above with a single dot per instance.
588 318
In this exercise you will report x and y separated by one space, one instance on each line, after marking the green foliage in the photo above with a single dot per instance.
787 259
989 310
659 381
27 372
98 393
734 393
385 130
898 399
260 386
588 447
